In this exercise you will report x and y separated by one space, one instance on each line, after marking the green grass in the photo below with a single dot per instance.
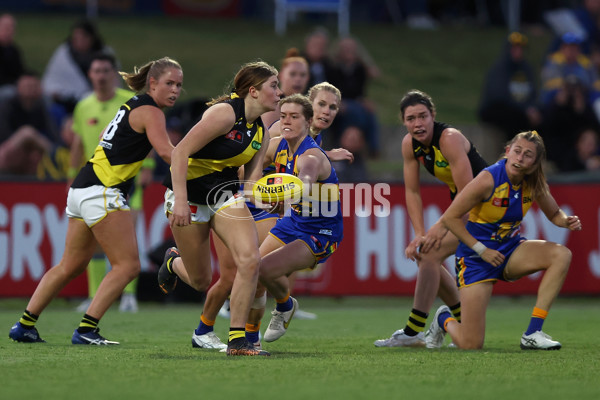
449 63
331 357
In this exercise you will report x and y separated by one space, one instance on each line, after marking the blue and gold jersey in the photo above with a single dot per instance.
496 221
322 208
119 155
318 140
258 213
213 170
436 164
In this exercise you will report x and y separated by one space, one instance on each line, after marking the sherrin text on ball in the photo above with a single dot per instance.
277 187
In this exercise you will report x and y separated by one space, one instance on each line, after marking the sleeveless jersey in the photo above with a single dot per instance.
318 140
92 115
496 221
260 214
212 174
119 155
319 210
436 164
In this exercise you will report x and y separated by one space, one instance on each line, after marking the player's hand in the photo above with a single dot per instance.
277 208
412 250
340 154
493 257
433 238
573 223
181 215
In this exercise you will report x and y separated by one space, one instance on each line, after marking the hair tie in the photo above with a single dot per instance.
234 95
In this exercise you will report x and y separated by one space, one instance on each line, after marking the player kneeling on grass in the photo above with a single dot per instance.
312 229
492 249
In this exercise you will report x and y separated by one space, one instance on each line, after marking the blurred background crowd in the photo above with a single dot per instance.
42 116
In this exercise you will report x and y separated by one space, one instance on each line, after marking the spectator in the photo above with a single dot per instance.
582 20
316 53
569 89
93 113
569 64
356 171
293 78
26 128
350 74
65 80
509 97
11 63
585 155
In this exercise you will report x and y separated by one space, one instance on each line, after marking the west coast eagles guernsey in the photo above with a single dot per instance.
212 175
496 221
320 210
436 164
259 214
119 155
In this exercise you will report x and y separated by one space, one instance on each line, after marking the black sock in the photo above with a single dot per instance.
236 333
28 320
456 311
416 322
87 324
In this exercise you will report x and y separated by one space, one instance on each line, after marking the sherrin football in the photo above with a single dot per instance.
275 188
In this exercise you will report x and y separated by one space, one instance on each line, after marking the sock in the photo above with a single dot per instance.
284 304
443 319
87 324
456 311
236 333
28 320
252 332
416 322
537 320
205 326
95 272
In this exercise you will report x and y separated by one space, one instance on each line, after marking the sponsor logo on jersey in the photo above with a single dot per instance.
500 202
236 136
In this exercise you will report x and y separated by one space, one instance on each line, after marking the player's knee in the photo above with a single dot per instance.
135 272
200 283
470 343
67 274
248 263
429 264
130 271
562 256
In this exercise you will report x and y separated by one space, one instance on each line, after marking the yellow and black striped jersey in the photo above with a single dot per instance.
212 174
436 164
119 155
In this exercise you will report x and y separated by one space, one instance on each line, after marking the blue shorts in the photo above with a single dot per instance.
260 214
322 243
472 269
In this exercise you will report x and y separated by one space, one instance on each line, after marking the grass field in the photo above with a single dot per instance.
332 357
